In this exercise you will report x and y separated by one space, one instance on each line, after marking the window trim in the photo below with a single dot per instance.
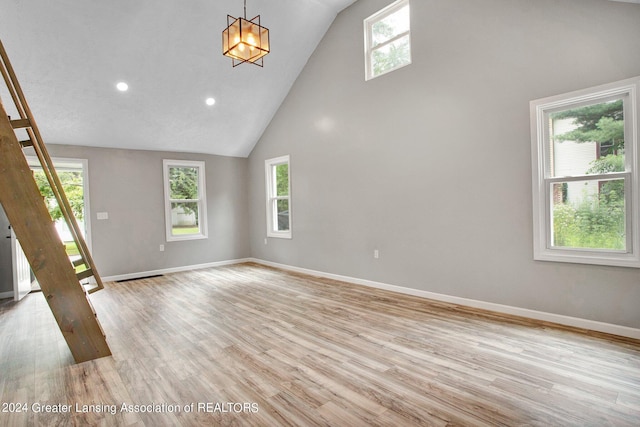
540 109
202 200
271 198
368 42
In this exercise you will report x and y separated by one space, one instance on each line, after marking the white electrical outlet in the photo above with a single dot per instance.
103 215
265 241
376 253
161 248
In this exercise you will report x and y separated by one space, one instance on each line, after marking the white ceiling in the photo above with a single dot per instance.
69 55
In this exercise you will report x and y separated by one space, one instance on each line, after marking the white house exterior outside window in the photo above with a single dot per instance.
278 195
185 200
387 39
585 163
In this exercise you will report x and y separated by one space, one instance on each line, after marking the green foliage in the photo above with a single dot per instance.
602 123
184 186
607 164
282 189
607 132
564 226
611 192
588 227
72 186
588 117
388 59
184 183
184 230
282 179
71 248
597 222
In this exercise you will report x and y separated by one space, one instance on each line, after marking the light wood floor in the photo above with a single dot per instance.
309 351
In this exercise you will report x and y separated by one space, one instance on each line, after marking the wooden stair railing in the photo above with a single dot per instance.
34 228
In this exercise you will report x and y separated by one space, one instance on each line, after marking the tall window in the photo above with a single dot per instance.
585 176
387 39
278 197
185 200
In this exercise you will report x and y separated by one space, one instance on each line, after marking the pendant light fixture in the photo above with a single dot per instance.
245 40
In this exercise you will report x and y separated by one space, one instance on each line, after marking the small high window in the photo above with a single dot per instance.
585 176
387 39
185 200
278 197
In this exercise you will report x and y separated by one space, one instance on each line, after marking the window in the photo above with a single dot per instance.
387 41
278 197
185 202
585 176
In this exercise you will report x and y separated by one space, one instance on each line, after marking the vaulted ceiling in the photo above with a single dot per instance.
70 54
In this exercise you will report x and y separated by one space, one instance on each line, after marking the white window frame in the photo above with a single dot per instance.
201 200
369 49
272 197
541 109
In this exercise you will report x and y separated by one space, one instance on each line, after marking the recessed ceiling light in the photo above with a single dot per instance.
210 101
122 86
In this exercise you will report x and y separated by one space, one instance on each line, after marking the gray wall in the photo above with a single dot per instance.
431 164
128 184
6 264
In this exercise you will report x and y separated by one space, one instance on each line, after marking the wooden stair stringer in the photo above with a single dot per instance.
27 212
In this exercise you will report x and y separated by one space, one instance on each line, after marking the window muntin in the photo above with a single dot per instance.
277 176
585 163
387 39
185 200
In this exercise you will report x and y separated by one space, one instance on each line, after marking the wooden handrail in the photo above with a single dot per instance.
27 121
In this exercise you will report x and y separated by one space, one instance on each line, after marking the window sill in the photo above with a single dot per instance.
613 259
187 237
283 235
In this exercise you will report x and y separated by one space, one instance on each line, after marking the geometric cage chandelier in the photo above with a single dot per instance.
245 40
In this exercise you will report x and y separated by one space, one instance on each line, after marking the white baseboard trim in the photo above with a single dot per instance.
138 275
576 322
4 295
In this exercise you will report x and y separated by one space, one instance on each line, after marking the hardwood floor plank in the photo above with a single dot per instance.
299 350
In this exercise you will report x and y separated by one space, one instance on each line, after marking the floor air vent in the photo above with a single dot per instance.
139 278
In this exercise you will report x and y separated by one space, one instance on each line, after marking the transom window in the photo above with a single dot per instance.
185 200
585 163
277 177
387 39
